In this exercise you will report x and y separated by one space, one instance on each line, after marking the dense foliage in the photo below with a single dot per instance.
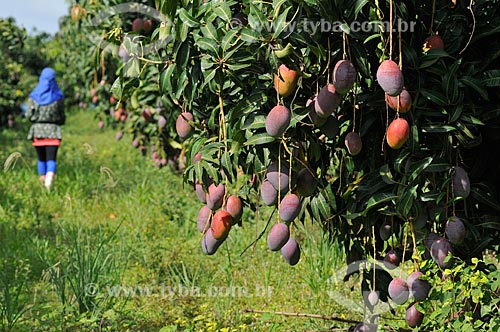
218 65
21 60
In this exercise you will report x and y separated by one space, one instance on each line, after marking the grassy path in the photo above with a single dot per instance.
114 247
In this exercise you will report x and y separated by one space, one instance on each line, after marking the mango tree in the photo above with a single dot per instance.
374 119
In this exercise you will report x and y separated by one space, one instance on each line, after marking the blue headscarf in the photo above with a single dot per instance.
47 91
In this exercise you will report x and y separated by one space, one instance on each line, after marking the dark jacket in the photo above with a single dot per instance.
46 120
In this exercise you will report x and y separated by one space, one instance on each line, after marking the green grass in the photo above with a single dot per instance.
113 219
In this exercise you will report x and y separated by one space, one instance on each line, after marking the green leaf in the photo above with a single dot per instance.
182 55
345 28
361 59
435 96
229 39
359 6
258 139
490 222
406 202
241 57
208 76
331 197
165 32
214 173
457 113
250 104
206 63
198 167
399 163
416 168
432 57
437 166
277 6
320 204
256 19
296 118
475 84
280 23
378 199
438 128
495 28
316 215
472 120
187 19
183 30
208 45
209 31
386 174
181 83
479 247
483 194
491 78
450 82
132 68
130 86
249 35
463 128
223 11
238 66
254 122
227 165
116 88
211 149
415 138
196 146
374 36
410 55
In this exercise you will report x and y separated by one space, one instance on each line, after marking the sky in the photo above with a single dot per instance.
40 14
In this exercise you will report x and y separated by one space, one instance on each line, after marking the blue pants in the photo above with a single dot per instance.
47 156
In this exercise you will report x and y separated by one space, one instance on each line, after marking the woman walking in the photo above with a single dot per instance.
46 113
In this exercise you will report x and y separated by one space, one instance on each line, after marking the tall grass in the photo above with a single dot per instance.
91 263
14 277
